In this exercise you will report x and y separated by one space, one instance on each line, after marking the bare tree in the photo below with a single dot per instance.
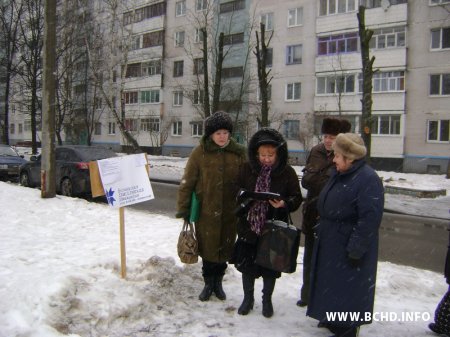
10 16
31 41
263 73
107 53
367 73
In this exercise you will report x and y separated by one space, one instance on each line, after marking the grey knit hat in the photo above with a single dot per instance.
218 120
351 145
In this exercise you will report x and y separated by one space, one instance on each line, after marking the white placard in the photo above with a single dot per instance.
125 180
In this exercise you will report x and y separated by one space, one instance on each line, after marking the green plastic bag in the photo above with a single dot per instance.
195 209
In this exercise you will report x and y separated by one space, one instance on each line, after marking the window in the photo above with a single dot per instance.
198 66
335 44
198 35
111 128
133 70
153 39
20 127
267 20
177 98
198 97
150 124
201 5
151 68
135 43
329 7
232 6
295 17
97 128
233 39
440 38
12 128
179 39
436 2
269 57
386 125
232 72
98 102
177 128
335 84
291 129
131 97
150 96
27 125
293 91
392 37
178 68
440 84
180 8
386 81
131 124
294 54
269 93
197 129
438 130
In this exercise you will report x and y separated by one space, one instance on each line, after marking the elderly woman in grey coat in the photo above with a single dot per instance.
345 255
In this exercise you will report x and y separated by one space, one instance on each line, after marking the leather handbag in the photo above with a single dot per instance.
278 246
187 244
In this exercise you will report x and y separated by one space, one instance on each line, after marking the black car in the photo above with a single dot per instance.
72 168
10 162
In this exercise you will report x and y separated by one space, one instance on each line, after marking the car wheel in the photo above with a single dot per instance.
25 179
66 187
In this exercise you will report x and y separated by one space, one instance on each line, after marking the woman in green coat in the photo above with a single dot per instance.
211 172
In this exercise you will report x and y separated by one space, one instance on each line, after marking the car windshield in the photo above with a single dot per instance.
95 153
7 152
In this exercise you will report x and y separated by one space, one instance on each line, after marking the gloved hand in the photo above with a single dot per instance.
184 215
355 263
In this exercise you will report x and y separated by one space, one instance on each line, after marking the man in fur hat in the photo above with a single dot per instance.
315 175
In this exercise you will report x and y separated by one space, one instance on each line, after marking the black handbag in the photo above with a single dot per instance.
278 246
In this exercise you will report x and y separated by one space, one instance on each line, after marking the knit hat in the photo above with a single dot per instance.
218 120
334 126
351 145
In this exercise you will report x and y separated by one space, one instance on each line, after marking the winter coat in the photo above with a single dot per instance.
315 175
211 171
447 260
284 180
350 207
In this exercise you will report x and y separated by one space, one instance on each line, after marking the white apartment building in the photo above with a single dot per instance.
315 70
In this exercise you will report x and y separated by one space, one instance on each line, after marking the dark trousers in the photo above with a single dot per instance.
307 257
211 269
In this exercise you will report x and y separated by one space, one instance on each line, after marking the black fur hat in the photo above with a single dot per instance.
335 126
268 136
218 120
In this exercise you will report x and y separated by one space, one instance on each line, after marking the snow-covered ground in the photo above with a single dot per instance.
60 276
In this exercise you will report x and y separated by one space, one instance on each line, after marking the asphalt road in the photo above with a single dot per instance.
407 240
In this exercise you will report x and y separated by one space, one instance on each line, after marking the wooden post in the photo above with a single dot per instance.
123 254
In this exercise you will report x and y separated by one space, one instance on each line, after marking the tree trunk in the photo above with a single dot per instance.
48 166
218 78
206 105
367 72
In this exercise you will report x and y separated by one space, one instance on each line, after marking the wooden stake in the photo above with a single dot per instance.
123 254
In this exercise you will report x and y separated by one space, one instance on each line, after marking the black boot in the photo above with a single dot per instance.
267 307
218 290
248 284
208 289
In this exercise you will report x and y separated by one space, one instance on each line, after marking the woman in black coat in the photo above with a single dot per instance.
266 171
441 323
345 255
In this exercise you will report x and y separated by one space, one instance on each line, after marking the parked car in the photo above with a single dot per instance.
72 168
10 162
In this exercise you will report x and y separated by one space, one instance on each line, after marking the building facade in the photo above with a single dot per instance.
314 66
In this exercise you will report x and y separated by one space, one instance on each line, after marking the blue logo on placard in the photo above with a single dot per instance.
110 196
